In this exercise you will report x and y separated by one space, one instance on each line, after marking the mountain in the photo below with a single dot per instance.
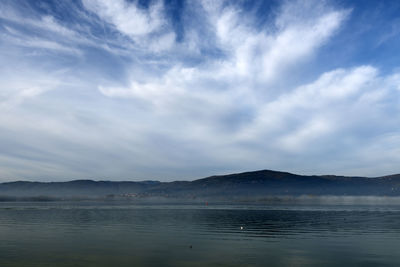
247 185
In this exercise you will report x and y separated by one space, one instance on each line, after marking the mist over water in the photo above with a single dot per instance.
126 234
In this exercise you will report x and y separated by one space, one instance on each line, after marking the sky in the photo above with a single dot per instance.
177 90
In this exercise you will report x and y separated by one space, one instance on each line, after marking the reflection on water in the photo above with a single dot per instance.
122 234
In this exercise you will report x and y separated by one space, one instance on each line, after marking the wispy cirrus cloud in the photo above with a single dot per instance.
147 27
121 90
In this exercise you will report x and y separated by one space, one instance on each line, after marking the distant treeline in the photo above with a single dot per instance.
249 186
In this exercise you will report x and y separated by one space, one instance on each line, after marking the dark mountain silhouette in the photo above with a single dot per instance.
249 185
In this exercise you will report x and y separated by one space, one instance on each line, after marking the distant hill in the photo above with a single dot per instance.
247 185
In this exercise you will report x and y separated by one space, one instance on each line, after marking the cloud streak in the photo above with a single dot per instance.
119 90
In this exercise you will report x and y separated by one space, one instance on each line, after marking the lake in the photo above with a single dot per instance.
128 234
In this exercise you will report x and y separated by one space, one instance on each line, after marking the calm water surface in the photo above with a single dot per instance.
124 234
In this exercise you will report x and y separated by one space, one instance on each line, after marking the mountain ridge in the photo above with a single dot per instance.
257 184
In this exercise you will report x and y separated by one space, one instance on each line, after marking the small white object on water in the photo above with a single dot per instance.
241 227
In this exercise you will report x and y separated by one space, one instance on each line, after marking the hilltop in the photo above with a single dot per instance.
246 185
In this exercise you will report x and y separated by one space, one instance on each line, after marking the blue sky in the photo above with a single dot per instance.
170 90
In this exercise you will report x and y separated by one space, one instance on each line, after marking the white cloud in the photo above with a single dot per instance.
297 140
262 55
128 17
14 89
183 109
300 120
253 60
147 27
50 34
252 56
40 43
